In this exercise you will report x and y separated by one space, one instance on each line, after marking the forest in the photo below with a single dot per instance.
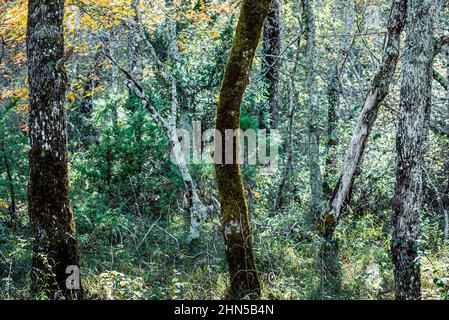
224 149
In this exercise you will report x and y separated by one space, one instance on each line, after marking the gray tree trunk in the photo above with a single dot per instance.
377 93
414 116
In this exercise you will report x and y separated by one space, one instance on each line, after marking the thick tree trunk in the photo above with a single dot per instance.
236 227
316 186
414 116
48 194
376 95
272 51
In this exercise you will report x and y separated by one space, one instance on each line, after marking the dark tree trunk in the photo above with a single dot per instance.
48 193
272 51
414 116
236 227
12 193
316 186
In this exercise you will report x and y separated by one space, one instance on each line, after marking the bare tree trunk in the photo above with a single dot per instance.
414 116
236 227
316 186
48 194
328 265
272 51
377 93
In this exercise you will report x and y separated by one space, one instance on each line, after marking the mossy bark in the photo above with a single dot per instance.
48 192
244 279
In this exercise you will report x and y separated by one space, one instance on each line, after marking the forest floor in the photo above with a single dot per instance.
146 258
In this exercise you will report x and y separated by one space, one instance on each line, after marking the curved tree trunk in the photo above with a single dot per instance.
48 194
328 255
242 270
414 116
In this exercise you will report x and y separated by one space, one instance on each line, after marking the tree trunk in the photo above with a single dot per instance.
330 281
48 194
377 93
272 51
12 193
316 186
236 227
414 116
279 200
332 139
446 193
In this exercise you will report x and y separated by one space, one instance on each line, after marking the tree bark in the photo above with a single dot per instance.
272 51
377 93
414 120
236 227
316 186
51 217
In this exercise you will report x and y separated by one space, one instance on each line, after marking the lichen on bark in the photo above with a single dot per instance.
48 192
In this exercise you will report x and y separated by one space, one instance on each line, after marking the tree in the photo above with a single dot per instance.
414 116
377 92
234 209
55 245
330 283
313 123
272 51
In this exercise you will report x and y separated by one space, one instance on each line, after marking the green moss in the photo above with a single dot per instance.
234 209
